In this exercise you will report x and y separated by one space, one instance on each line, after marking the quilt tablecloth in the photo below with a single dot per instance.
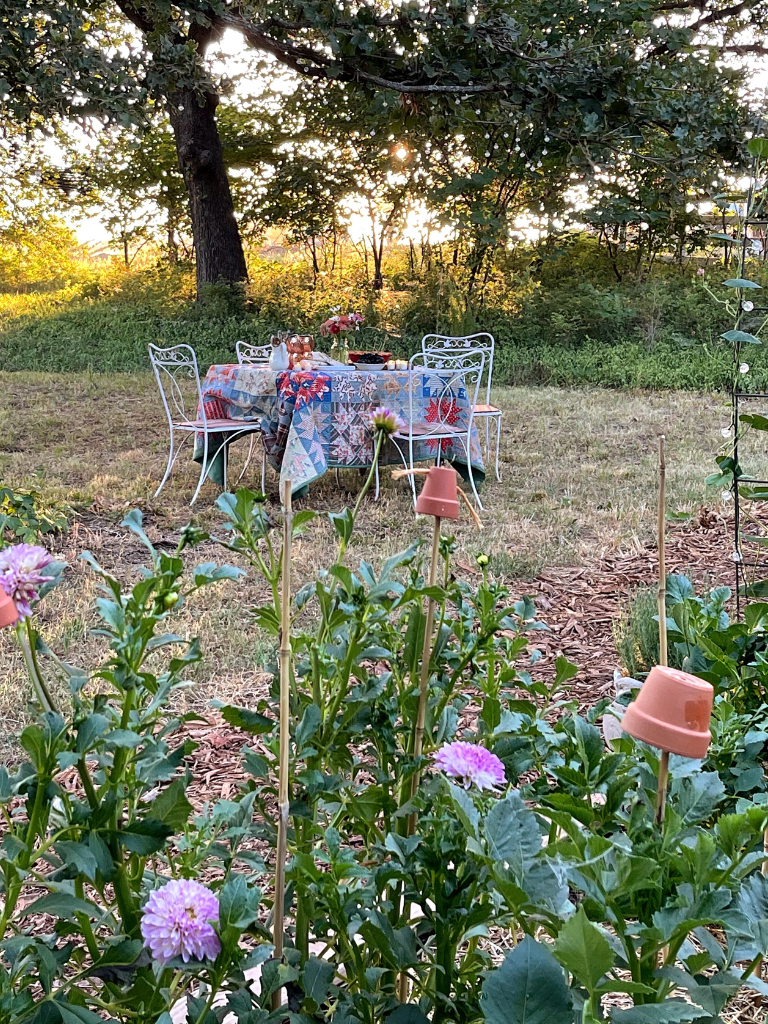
313 420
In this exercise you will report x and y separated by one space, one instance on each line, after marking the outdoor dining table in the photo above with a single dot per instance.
313 420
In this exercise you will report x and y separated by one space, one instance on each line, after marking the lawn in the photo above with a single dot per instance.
578 483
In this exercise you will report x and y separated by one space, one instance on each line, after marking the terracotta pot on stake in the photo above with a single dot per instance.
8 613
673 708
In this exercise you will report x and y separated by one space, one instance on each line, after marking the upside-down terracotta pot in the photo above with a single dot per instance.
8 613
672 712
438 496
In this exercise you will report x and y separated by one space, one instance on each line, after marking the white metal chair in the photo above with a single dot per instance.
450 373
247 353
254 355
179 382
485 410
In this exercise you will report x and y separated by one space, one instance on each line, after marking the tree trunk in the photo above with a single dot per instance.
218 249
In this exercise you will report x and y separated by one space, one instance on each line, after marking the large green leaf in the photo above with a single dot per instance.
740 282
670 1011
244 718
742 336
512 833
528 988
758 147
696 797
172 806
583 949
62 904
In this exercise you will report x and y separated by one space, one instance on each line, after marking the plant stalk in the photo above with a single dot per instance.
662 591
284 657
421 713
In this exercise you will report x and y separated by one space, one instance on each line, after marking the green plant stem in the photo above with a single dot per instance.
380 435
33 669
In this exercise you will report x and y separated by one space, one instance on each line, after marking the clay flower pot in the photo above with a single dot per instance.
672 712
8 613
438 497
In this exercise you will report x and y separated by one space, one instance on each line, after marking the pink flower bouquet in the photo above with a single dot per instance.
340 323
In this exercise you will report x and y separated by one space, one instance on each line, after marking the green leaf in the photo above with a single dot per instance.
720 237
247 720
512 833
343 524
89 731
758 147
695 798
407 1013
237 904
172 806
316 979
143 837
742 336
72 1014
78 856
209 572
755 420
62 904
740 282
528 988
668 1012
308 726
582 948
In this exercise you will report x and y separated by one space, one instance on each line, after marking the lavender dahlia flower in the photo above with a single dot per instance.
21 574
176 921
386 420
472 764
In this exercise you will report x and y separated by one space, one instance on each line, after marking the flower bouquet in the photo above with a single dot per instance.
338 325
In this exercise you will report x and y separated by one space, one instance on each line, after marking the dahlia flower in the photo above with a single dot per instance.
177 921
387 421
21 574
471 764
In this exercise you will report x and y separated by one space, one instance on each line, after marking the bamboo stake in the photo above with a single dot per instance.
661 794
284 658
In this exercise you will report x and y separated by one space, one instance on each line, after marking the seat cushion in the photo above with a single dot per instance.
429 429
487 410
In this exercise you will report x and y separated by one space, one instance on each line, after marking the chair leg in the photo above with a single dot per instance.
337 476
376 477
248 460
498 445
203 470
225 459
487 439
471 474
168 468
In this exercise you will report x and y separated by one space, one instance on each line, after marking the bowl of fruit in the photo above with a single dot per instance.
369 358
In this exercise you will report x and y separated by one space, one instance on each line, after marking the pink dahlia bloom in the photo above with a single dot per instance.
177 921
21 573
471 764
386 420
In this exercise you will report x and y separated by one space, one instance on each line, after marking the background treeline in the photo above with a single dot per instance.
565 310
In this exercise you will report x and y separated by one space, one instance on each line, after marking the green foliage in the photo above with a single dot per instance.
24 516
636 633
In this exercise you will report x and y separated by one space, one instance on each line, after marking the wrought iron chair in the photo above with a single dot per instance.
254 355
247 353
452 375
485 410
178 378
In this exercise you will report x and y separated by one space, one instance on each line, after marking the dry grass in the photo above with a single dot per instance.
578 473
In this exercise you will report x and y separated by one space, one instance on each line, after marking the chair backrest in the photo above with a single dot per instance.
247 353
451 375
483 341
179 382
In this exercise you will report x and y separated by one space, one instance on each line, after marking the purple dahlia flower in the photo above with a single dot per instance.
472 764
21 574
386 420
177 921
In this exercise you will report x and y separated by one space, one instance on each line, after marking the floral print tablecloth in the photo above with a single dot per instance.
313 420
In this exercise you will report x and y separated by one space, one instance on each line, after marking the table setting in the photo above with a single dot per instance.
314 408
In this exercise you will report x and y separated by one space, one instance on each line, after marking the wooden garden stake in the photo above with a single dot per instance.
661 795
284 658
